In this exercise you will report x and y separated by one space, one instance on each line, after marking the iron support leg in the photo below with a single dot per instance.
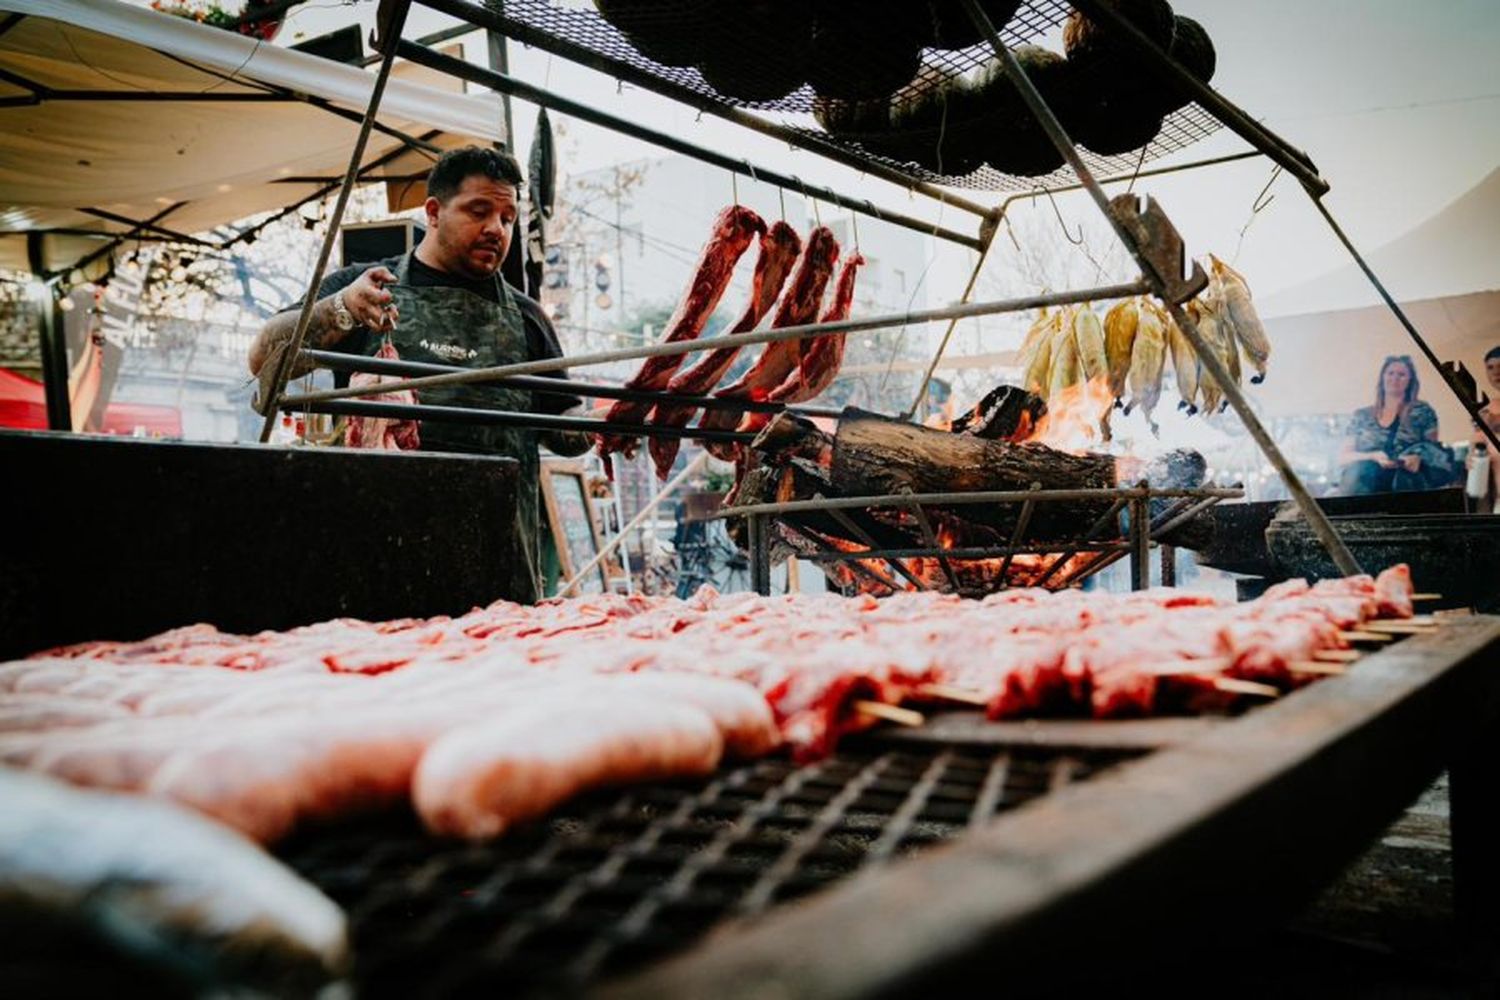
1140 544
1169 565
54 362
760 555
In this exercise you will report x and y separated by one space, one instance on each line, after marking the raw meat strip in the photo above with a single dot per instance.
733 231
797 307
385 433
778 253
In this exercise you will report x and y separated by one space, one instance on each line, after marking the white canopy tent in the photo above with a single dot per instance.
1330 334
119 120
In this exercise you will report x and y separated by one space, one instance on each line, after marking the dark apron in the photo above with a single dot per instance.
452 326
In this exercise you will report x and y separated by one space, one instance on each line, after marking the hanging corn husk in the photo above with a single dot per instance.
1119 337
1246 324
1147 361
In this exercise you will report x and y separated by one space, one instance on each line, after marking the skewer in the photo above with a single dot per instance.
890 713
1361 636
950 692
1400 627
1337 655
1427 597
1308 667
1231 685
1211 665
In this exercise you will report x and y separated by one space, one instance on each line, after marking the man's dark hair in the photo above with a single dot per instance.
1492 354
452 167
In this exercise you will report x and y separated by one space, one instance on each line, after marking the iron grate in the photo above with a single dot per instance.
572 27
624 877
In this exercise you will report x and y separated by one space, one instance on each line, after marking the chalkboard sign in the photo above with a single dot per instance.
570 512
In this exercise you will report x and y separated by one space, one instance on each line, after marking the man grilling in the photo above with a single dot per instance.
446 303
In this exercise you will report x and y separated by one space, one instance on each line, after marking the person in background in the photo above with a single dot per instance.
1393 445
1491 416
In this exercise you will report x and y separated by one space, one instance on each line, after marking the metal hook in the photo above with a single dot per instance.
854 228
751 167
1261 201
734 187
1063 222
781 196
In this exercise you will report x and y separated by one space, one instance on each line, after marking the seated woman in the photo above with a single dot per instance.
1393 445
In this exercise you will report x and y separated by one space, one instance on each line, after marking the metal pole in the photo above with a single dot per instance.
475 376
1470 405
1169 565
54 358
514 418
1133 242
988 230
424 56
392 21
760 555
1140 545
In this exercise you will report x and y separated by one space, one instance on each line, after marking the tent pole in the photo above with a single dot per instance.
391 19
1133 231
54 358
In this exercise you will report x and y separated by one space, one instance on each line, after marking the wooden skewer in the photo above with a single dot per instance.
1427 597
1359 636
1308 667
1399 628
1211 665
890 713
950 692
1233 685
1337 655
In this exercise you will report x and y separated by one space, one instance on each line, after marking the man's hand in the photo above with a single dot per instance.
366 297
1411 462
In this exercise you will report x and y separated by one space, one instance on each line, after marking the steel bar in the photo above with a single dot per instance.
476 376
860 535
509 85
484 17
991 227
1212 161
1072 549
391 32
1140 545
1023 521
511 418
1168 565
1171 521
604 551
981 552
760 556
930 536
543 385
856 566
1470 405
1289 157
1122 494
1160 282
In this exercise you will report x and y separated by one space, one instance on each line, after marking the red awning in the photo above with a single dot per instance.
23 404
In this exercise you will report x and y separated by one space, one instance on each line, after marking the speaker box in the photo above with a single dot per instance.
364 242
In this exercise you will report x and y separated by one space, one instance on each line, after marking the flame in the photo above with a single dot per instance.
1073 416
946 536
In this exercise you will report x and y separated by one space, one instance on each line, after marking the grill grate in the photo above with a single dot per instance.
624 877
558 26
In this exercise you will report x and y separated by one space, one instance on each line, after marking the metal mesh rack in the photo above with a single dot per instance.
621 878
577 31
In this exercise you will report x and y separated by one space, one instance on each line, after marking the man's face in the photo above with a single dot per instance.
1492 369
473 227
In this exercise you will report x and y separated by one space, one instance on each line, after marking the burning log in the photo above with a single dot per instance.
874 456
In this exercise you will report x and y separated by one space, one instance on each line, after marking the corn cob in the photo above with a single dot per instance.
1038 365
1066 369
1185 364
1148 358
1248 329
1088 334
1211 396
1119 338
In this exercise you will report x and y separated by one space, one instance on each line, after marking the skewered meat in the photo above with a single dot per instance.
779 248
192 895
1234 294
733 231
1120 325
386 433
799 305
